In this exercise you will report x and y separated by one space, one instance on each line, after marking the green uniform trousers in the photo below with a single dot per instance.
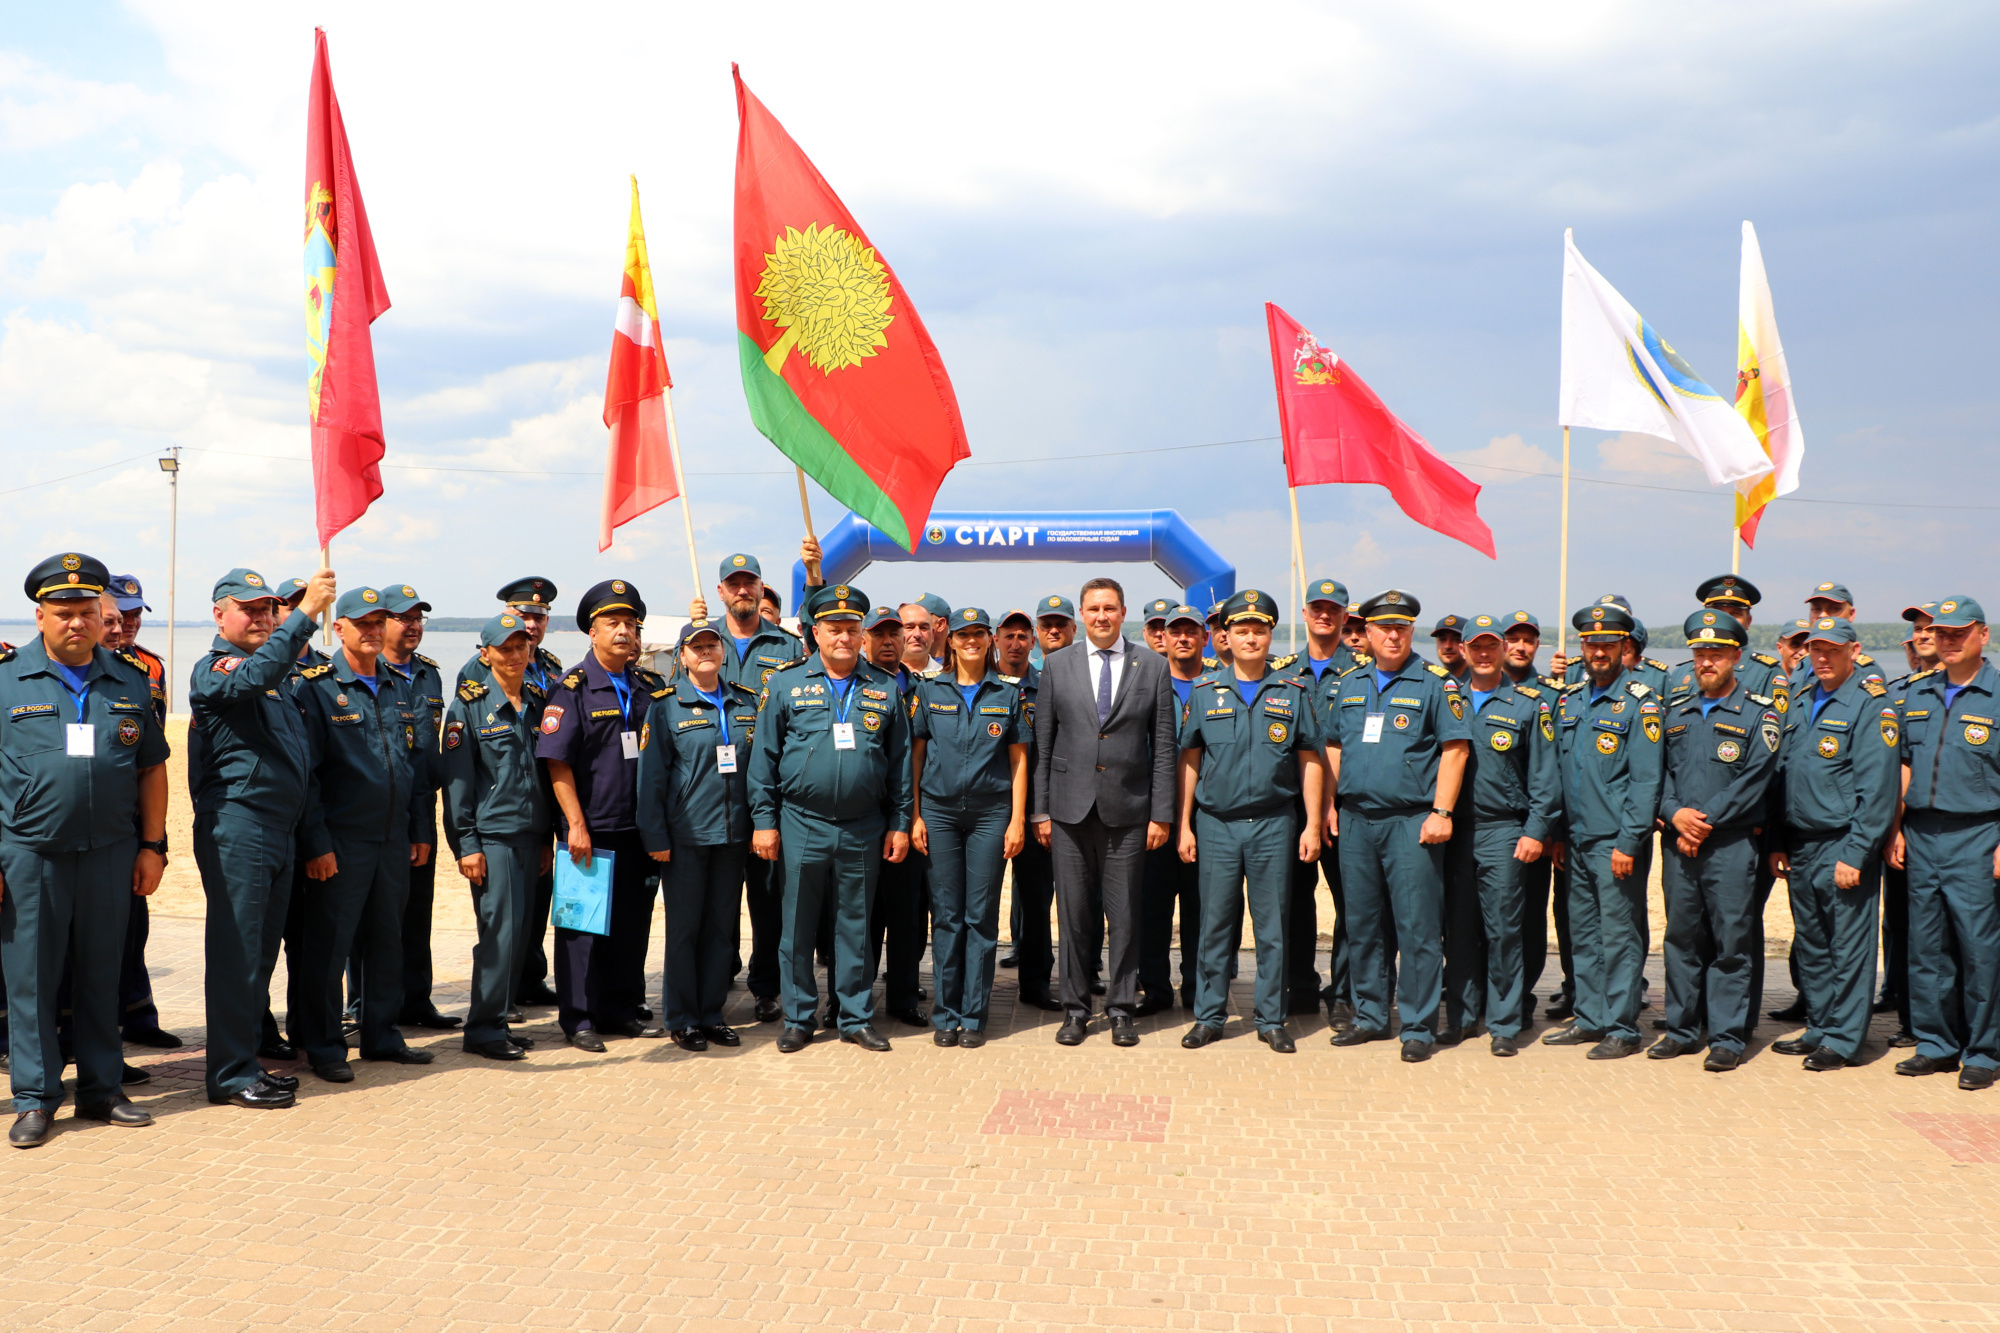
1485 888
967 857
1608 931
1395 897
246 869
57 903
1954 936
1715 934
1258 852
1834 941
823 861
500 905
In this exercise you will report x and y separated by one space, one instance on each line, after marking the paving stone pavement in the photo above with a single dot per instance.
1018 1186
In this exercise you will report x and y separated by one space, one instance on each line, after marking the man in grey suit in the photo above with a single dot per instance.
1104 796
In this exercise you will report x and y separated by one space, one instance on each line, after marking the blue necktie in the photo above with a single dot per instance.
1104 688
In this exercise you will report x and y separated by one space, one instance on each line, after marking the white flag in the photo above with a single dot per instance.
1764 389
1619 374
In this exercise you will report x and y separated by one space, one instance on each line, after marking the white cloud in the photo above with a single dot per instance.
1506 460
41 108
1645 455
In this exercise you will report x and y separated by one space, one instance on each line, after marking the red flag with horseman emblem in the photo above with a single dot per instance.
344 294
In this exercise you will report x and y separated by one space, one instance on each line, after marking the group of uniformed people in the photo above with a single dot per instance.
868 789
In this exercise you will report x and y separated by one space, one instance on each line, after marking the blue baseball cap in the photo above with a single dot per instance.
358 602
1327 590
1055 604
501 628
1956 612
739 564
126 589
245 585
402 598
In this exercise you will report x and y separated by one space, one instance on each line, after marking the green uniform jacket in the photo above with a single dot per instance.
1953 758
769 649
366 785
1511 773
1758 673
1420 709
427 691
1841 772
52 801
1250 767
544 670
796 763
685 799
494 786
244 724
1721 764
1611 763
966 749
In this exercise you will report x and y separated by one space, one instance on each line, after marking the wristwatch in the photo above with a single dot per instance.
159 846
1445 813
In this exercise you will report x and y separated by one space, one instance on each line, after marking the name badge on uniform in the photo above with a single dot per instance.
628 744
1371 729
82 740
725 759
843 735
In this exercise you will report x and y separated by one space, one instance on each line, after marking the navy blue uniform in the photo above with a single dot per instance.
690 807
1720 759
67 846
1304 994
1951 825
249 795
426 683
543 671
601 979
750 663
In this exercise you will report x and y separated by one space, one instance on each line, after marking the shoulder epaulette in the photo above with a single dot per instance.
530 689
1287 660
544 655
1011 680
1921 674
315 672
795 662
1863 659
1364 659
7 654
574 680
1437 670
1210 663
1760 700
1573 687
1528 690
1874 687
131 659
649 678
427 661
1766 659
931 673
1637 690
469 690
1655 663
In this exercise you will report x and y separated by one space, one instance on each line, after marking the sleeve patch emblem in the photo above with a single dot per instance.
128 731
1976 733
552 717
994 729
872 721
1889 732
1651 726
1607 742
1729 751
1278 732
1503 739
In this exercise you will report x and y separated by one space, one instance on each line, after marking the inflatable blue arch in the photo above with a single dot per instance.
1158 537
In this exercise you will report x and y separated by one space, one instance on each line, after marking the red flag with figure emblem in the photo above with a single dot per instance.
640 472
1336 429
344 295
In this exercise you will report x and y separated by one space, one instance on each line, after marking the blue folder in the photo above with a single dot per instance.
582 898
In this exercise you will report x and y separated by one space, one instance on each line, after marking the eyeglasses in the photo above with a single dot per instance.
413 618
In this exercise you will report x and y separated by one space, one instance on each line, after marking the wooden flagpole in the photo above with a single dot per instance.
1562 577
805 508
1296 591
680 483
1735 539
326 562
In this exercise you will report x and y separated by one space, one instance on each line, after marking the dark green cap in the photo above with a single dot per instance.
1714 629
245 585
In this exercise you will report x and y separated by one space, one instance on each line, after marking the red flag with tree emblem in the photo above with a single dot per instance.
1336 429
344 295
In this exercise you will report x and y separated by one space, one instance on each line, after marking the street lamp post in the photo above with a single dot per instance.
171 465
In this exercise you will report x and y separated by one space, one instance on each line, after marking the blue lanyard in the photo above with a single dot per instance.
721 710
843 698
624 693
78 691
539 676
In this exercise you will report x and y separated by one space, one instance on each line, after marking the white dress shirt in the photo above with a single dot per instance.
1098 665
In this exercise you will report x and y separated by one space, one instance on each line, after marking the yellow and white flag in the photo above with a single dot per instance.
1763 392
1618 373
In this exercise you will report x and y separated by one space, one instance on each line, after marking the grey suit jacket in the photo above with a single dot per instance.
1124 768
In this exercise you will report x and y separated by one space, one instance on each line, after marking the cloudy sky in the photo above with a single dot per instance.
1088 203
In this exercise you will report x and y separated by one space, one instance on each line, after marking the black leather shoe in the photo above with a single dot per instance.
1124 1032
1561 1007
428 1018
525 1043
1903 1039
631 1027
945 1036
1887 1004
1045 1002
1279 1040
1097 986
400 1055
1010 960
1074 1029
1506 1046
768 1009
496 1049
1527 1010
1416 1052
1821 1060
1794 1012
1668 1048
644 1013
971 1038
154 1037
794 1039
1358 1036
120 1112
690 1039
1613 1048
1200 1035
1975 1078
282 1082
1722 1059
1571 1036
335 1073
260 1097
1919 1065
537 996
910 1016
587 1040
867 1038
278 1050
133 1074
31 1129
513 1016
1153 1003
721 1034
1794 1046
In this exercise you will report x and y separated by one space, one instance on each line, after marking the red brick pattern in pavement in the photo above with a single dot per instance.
1967 1138
1113 1117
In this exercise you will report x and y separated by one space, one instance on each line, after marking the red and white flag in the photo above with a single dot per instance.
639 474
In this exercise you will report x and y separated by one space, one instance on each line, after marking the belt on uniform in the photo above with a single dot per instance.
1939 819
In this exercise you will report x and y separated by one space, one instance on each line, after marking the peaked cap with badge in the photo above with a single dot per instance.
62 578
608 596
